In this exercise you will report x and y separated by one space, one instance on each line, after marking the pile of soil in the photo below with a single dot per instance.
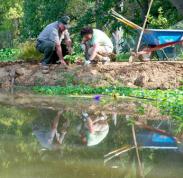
152 75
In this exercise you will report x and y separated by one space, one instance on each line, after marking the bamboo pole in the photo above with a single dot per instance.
144 26
124 20
119 153
137 152
115 151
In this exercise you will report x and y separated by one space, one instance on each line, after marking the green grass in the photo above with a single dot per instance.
8 54
170 102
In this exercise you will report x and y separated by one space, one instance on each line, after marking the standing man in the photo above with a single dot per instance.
96 45
50 39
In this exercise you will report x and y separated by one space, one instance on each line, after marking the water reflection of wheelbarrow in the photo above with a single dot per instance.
161 41
156 137
148 137
153 140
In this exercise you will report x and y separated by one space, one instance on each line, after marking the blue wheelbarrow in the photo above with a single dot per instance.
163 40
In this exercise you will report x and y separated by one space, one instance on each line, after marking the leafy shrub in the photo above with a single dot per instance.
160 21
180 56
28 51
76 55
82 90
8 54
123 57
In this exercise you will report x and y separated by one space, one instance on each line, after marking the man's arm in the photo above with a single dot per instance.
59 53
94 52
69 45
56 120
68 41
85 48
55 37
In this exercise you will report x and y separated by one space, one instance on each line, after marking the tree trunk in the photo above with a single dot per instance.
97 15
178 4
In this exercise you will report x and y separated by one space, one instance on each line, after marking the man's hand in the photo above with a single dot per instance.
94 52
63 62
70 50
59 53
83 41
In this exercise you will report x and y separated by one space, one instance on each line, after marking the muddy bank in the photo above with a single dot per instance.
151 75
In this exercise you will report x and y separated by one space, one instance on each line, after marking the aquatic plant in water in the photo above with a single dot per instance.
170 102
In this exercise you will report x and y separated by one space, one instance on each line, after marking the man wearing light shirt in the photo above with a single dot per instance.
96 45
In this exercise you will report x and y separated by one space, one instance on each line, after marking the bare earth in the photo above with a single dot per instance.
151 75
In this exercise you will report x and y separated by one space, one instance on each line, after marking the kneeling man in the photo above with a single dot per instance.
50 39
96 45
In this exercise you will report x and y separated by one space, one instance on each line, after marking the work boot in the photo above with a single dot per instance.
87 62
105 60
44 66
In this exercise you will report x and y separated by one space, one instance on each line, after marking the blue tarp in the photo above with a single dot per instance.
158 37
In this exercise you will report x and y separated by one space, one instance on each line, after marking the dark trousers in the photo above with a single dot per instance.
49 50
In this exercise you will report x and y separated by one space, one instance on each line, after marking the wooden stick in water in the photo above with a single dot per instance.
119 153
137 151
115 151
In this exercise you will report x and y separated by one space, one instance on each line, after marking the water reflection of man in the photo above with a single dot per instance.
94 129
50 138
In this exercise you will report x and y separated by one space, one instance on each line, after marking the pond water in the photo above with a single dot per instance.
86 137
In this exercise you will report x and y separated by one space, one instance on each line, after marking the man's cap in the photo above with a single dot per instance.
64 20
